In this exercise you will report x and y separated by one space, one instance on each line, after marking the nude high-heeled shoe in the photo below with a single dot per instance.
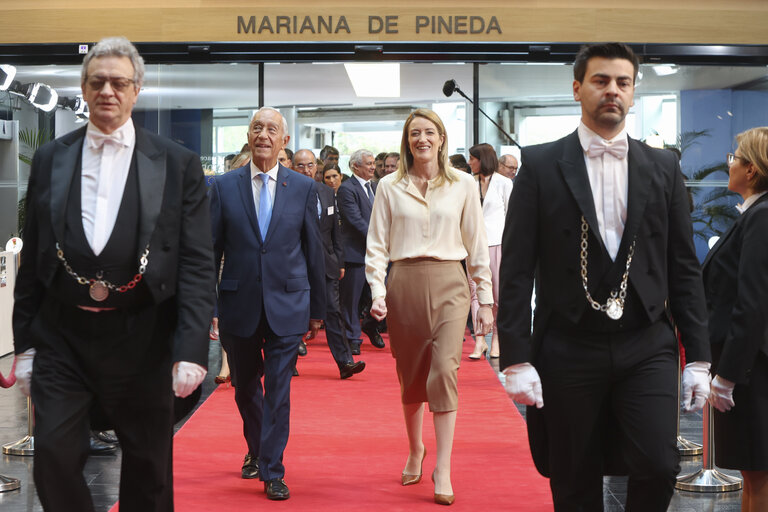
443 499
414 479
479 352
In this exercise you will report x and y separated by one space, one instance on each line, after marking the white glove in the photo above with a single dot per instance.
186 377
23 371
695 386
523 384
721 395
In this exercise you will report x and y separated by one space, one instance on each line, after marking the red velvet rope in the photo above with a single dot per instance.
10 381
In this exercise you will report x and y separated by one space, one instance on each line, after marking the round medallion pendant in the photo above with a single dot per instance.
98 291
614 310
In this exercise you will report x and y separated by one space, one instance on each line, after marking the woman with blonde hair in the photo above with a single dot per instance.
426 219
736 283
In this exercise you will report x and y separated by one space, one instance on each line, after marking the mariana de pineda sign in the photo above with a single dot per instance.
415 25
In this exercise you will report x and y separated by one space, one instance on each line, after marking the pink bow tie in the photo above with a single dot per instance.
96 140
618 148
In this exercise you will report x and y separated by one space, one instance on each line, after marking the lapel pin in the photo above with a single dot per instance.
285 184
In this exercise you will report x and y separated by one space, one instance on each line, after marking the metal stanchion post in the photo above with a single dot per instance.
9 484
25 445
708 479
686 447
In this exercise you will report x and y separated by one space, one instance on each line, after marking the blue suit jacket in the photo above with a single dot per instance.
355 210
282 274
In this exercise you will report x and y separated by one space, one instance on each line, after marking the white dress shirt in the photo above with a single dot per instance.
749 202
609 180
256 183
106 160
495 205
445 224
363 183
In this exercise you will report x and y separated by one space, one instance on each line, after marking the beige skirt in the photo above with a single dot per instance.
427 307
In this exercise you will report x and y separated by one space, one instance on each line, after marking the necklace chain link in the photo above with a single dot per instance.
617 297
143 261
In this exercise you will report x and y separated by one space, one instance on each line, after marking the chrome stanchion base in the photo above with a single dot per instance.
9 484
688 448
708 480
24 446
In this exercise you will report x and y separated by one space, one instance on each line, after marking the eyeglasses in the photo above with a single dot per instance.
730 158
118 84
513 167
310 165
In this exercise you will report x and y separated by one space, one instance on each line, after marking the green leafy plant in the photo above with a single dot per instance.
32 139
713 210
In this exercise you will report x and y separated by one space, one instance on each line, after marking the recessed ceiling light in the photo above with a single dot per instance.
374 80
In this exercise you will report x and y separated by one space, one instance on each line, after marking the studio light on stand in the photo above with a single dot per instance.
7 74
76 104
42 96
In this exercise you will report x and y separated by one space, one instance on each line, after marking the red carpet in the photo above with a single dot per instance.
348 446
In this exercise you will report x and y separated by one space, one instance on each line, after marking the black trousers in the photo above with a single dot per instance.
334 325
622 387
120 362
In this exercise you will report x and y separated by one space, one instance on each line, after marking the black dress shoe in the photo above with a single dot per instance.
250 467
277 489
350 369
376 339
108 436
302 348
99 447
295 372
355 349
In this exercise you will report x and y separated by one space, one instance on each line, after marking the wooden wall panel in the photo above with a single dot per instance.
688 21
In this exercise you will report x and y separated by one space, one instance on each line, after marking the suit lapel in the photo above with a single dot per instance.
729 231
65 159
246 195
574 172
721 240
150 169
639 184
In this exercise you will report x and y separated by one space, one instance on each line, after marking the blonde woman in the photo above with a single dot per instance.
736 284
426 219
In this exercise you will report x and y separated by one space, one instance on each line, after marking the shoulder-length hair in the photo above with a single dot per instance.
487 156
445 171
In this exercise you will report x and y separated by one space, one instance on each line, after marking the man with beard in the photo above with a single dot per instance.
602 221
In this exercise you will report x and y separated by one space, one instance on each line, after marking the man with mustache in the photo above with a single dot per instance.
602 220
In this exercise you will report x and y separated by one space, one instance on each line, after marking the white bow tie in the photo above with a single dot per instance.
96 139
618 148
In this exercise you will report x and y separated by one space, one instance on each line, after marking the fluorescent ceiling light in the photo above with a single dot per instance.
664 69
374 80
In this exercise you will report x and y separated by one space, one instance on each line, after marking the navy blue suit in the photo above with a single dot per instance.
355 207
270 288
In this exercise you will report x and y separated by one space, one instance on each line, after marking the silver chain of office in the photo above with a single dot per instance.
614 305
98 288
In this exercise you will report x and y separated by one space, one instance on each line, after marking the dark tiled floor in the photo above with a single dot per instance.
103 473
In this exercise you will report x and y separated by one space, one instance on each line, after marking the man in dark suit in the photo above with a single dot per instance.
603 222
115 290
330 233
272 287
355 198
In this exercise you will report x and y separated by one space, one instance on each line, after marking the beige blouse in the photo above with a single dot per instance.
446 224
